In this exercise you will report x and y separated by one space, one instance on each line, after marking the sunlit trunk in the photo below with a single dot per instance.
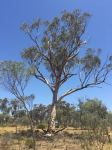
51 124
52 115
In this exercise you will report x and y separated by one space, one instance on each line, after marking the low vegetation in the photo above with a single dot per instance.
86 126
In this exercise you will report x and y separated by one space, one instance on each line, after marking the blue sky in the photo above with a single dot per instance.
12 40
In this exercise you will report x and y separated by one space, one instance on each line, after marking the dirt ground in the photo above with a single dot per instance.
63 141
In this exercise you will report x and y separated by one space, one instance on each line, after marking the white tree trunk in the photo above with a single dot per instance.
51 124
52 115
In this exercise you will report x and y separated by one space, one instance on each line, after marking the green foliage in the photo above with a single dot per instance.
23 120
40 111
93 117
91 60
65 113
92 112
14 76
59 42
29 143
4 106
41 126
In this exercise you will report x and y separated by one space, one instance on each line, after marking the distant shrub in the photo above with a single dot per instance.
41 126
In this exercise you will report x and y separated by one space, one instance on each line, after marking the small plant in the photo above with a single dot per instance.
29 143
41 126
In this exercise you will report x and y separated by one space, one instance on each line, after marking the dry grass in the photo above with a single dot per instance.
12 129
60 142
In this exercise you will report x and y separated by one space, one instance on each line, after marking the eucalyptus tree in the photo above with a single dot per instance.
58 54
94 117
5 109
15 106
14 77
40 111
4 106
92 112
65 113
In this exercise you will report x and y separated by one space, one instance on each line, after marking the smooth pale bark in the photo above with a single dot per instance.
51 124
52 115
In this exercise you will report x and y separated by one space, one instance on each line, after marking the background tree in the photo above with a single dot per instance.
92 113
65 113
59 49
14 77
94 118
40 111
4 107
5 110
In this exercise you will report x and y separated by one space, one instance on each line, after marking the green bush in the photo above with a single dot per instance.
41 126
